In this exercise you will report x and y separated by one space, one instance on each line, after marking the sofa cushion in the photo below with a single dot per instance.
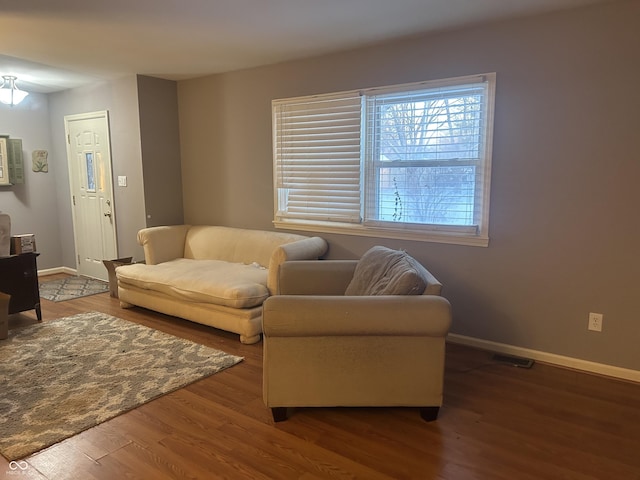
234 285
383 271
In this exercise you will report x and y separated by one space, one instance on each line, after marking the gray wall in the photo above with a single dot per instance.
160 140
33 206
42 205
120 98
564 201
143 118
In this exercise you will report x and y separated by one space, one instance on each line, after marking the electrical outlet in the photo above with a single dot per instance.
595 322
122 180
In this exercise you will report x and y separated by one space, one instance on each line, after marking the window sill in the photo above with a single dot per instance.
371 231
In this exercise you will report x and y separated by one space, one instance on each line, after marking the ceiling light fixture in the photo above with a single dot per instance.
9 93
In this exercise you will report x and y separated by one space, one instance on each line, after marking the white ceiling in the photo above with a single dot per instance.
54 45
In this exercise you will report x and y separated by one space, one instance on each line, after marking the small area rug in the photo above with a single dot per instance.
71 287
63 376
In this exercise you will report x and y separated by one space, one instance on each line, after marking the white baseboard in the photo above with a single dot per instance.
53 271
551 358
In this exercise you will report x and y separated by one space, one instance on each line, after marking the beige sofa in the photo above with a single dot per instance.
217 276
329 341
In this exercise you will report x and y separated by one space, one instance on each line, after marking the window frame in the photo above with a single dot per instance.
460 235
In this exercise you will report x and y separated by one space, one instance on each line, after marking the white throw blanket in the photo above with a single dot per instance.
230 284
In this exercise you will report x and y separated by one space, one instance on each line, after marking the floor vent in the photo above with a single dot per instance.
514 361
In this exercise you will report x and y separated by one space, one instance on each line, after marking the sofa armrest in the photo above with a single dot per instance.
310 248
163 243
324 277
310 315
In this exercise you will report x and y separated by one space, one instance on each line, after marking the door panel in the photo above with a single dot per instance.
91 186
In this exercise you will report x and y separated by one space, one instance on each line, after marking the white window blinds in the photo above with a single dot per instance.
317 158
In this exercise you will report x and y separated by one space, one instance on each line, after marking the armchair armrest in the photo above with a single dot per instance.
324 277
399 315
163 243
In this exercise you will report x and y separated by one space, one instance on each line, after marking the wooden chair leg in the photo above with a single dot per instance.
429 414
279 414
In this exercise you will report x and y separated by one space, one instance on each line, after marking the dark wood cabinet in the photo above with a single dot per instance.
19 278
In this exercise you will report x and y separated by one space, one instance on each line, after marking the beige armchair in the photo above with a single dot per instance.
323 348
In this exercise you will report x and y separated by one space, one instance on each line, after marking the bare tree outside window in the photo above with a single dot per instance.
425 156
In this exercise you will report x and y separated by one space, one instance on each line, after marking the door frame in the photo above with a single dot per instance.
100 114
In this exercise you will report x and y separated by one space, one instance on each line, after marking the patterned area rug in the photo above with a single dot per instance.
71 287
61 377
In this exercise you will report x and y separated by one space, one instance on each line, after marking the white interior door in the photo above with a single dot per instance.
94 224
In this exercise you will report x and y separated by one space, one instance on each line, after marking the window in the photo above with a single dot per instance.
408 161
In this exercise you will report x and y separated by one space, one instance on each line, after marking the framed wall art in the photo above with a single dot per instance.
4 162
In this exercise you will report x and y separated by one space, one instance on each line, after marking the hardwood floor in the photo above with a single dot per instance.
497 422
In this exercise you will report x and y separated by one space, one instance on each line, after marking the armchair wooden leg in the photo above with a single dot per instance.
429 414
279 414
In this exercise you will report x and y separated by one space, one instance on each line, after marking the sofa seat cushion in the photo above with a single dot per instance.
234 285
